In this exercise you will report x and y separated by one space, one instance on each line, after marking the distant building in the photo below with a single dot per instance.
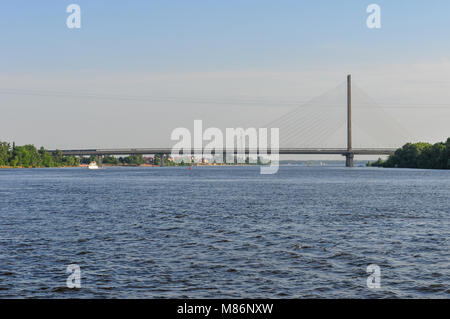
148 160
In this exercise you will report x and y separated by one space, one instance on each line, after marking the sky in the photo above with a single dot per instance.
136 70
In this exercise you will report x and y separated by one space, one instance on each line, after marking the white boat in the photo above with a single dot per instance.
93 165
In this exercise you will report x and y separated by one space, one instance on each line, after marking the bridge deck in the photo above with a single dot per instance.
281 151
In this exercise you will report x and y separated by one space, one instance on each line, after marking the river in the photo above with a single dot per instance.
224 232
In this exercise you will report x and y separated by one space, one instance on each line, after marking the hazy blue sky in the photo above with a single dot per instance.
218 35
224 52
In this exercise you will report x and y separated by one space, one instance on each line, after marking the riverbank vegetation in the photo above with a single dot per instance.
30 156
132 160
419 155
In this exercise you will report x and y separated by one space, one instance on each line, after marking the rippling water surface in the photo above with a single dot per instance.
224 232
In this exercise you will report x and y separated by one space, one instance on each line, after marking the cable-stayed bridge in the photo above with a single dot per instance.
317 122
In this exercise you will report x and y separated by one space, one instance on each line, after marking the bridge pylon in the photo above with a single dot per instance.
350 155
349 159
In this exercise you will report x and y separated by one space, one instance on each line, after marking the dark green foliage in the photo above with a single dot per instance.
4 153
29 156
133 160
419 155
87 160
110 160
378 163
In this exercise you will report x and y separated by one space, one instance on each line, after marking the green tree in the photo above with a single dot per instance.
419 155
27 156
5 153
110 160
46 158
135 159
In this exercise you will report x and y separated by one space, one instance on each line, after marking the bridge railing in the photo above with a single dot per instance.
281 151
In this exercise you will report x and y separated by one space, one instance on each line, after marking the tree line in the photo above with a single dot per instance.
29 156
419 155
135 159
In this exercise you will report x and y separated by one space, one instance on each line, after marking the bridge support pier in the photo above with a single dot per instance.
100 160
161 160
349 159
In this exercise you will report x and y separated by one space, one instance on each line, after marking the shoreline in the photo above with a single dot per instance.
23 167
109 165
